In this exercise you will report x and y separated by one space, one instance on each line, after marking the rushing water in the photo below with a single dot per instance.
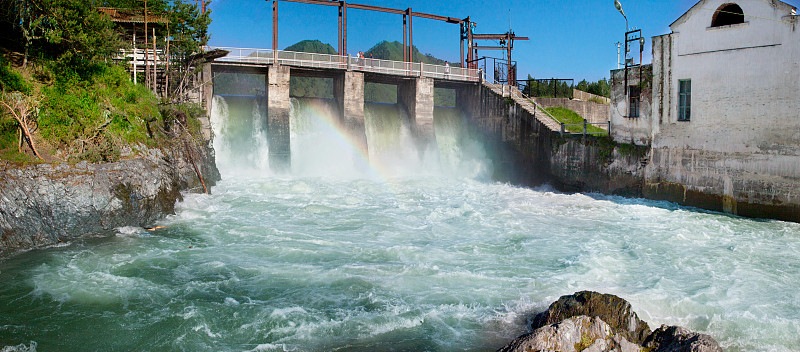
348 256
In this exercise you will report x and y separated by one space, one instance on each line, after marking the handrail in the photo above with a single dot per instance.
294 58
585 124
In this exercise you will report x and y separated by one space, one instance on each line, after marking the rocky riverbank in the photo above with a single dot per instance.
593 322
44 204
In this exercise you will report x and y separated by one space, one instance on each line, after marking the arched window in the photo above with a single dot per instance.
727 14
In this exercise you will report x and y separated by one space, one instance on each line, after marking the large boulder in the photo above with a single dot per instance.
615 311
577 334
679 339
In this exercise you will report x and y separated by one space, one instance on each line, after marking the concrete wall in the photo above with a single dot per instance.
740 151
624 129
591 111
745 82
581 95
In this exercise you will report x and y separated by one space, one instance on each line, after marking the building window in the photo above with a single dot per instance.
684 100
634 94
726 15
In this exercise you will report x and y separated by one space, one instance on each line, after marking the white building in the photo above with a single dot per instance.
724 99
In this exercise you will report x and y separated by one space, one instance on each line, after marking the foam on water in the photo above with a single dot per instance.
430 261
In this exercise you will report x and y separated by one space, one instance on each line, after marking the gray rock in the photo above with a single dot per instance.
679 339
615 311
45 204
576 334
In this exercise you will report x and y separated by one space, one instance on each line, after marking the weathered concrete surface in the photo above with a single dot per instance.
278 110
585 96
626 129
591 111
516 138
45 204
349 94
596 165
753 185
416 95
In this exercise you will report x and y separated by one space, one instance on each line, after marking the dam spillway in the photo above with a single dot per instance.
407 251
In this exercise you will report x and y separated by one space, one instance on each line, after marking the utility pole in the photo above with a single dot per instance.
146 55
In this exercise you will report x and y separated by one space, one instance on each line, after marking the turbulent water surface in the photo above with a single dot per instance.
414 251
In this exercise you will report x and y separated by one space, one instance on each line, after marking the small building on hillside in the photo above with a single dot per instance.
720 106
148 49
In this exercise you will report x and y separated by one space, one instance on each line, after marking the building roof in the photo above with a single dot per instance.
699 4
120 15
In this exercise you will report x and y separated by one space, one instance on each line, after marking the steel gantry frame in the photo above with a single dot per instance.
466 27
408 23
506 43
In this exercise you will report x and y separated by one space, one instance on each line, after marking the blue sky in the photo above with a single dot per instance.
569 39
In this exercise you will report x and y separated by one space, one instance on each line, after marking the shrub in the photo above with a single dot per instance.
10 80
91 114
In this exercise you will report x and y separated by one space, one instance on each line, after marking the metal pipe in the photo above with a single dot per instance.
405 36
275 25
410 36
344 28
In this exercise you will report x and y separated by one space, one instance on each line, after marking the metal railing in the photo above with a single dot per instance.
563 130
313 60
585 126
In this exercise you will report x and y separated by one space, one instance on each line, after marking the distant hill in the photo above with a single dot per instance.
387 50
312 46
309 87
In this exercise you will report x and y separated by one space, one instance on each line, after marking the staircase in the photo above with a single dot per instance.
535 110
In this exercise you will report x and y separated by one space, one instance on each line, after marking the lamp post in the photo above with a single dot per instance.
618 5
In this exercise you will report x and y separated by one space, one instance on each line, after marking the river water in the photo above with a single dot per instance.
412 251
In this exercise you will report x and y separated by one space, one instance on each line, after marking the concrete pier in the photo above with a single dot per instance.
348 90
278 109
416 95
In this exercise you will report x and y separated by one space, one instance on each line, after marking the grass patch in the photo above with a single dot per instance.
93 116
598 101
569 117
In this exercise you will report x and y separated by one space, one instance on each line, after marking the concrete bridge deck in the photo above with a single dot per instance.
261 57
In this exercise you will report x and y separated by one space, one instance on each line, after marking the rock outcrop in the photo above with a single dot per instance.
613 310
580 333
680 339
49 203
592 322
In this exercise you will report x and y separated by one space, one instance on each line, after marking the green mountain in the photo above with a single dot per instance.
387 50
312 46
310 87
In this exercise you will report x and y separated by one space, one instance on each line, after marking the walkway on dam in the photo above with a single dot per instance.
260 57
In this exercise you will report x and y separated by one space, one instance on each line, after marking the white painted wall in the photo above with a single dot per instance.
745 81
743 140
